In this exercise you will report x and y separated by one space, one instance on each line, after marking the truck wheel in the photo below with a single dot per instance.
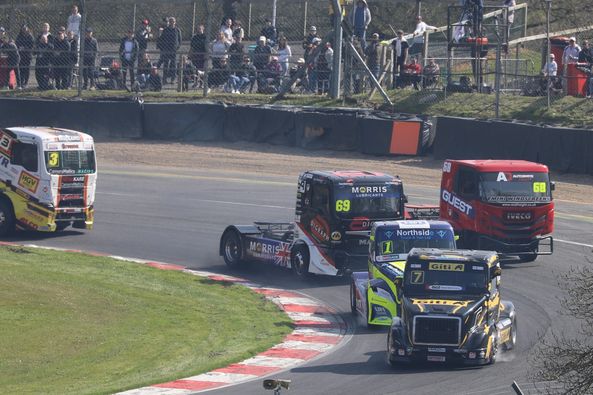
232 249
7 220
300 261
509 345
492 359
353 298
528 257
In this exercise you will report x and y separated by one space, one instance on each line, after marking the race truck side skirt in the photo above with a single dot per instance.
241 230
319 262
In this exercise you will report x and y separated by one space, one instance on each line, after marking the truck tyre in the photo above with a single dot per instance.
232 250
353 298
300 261
492 359
528 257
7 220
509 345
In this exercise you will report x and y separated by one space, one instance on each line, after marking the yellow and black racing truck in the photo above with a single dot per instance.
451 309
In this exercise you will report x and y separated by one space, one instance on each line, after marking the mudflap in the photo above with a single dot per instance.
358 288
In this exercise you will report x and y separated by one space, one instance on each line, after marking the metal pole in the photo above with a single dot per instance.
336 70
193 20
134 18
274 13
249 21
208 38
305 19
548 50
418 7
498 67
81 53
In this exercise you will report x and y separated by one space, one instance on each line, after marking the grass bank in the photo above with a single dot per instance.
74 323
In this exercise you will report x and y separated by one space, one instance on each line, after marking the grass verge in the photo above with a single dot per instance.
75 323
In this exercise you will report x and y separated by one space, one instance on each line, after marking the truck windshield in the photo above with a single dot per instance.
520 187
445 278
369 200
70 162
392 242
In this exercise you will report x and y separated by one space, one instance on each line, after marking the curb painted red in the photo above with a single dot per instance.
318 329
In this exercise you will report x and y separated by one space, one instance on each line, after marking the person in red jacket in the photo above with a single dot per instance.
412 74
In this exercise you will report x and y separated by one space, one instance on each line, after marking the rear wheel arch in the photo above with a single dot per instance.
7 215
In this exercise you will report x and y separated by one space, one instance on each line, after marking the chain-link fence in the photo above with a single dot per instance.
257 46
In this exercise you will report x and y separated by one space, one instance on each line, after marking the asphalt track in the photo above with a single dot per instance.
177 216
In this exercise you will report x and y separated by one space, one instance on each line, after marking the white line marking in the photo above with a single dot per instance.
573 243
271 361
219 377
297 345
156 391
243 204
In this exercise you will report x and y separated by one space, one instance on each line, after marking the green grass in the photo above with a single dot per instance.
565 111
74 323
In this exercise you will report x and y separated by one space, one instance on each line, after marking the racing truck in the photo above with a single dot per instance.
451 310
47 179
374 293
500 205
333 216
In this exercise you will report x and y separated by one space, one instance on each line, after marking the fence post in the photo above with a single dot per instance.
208 33
193 20
336 70
81 34
305 19
249 21
134 18
180 72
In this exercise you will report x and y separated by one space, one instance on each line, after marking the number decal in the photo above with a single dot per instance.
387 247
539 187
447 167
417 277
343 205
54 159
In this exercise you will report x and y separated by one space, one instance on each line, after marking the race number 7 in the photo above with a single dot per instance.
342 205
539 187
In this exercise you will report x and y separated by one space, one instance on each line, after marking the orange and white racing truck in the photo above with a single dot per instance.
47 179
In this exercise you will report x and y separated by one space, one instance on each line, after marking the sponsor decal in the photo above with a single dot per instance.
458 204
436 349
370 189
279 252
70 146
518 199
436 358
391 257
28 224
445 288
518 216
478 268
4 162
446 267
71 196
441 233
336 236
320 229
360 223
363 242
28 181
413 224
502 177
522 176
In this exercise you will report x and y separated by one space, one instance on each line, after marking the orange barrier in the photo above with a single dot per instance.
405 138
3 75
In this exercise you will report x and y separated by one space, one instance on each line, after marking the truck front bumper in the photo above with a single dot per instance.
438 354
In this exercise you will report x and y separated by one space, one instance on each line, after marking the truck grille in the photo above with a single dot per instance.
437 330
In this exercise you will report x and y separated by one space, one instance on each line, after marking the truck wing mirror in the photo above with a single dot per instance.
496 272
405 198
553 186
398 281
456 237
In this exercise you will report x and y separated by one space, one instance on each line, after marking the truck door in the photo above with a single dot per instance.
315 216
465 192
26 155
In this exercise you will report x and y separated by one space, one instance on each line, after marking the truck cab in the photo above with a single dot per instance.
47 179
501 205
451 309
374 293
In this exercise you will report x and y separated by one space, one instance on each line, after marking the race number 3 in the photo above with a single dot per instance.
539 187
342 205
54 159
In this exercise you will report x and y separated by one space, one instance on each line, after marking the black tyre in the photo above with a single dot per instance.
232 249
510 344
527 257
492 359
300 261
353 298
7 220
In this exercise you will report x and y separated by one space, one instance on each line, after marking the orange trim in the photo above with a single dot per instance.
405 136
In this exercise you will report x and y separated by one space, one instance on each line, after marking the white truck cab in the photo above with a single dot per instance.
47 179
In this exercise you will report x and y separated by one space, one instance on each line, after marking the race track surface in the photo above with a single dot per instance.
177 216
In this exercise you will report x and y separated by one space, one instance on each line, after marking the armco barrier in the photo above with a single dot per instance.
562 149
100 119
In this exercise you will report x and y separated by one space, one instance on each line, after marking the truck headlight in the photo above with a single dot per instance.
471 355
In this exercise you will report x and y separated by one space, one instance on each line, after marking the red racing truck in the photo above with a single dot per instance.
500 205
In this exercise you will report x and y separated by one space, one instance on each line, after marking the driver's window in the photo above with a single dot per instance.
25 155
320 200
466 184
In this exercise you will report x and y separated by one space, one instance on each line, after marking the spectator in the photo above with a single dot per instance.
114 78
585 56
331 13
431 73
238 29
169 43
144 69
91 48
128 54
314 64
270 33
400 55
284 55
227 29
219 75
143 35
412 74
231 8
61 60
10 51
74 21
247 75
25 43
73 57
373 53
360 19
511 13
2 32
308 41
421 28
268 80
324 67
571 52
219 50
154 82
261 54
197 48
45 32
550 74
190 75
357 68
44 52
236 52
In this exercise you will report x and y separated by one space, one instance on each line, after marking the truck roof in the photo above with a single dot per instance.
354 176
50 134
414 224
486 258
494 165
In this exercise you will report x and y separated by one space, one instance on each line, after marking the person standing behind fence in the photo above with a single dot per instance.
170 41
571 52
227 29
308 41
25 43
11 52
261 54
73 56
236 52
421 28
44 52
238 29
197 48
74 20
586 56
91 48
143 35
270 32
128 53
373 53
400 55
360 19
61 60
284 55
